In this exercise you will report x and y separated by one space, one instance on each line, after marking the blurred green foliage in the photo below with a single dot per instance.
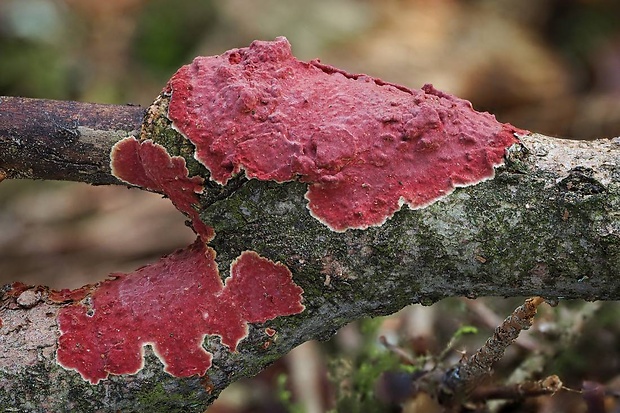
33 69
168 35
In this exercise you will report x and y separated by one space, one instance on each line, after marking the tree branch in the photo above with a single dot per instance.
71 141
548 224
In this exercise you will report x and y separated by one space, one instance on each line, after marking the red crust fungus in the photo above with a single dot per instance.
17 288
364 146
69 296
172 305
148 165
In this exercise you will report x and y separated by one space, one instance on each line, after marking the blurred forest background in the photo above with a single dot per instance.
550 66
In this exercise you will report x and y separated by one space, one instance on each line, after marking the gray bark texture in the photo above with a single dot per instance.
548 224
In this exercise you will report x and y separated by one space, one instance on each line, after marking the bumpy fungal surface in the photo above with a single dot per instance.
364 146
172 305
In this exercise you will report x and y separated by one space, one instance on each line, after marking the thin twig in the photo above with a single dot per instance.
462 379
404 357
548 385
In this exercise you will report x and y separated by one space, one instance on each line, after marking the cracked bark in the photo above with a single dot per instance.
548 224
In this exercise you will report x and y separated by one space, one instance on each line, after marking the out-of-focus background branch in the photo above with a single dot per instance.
550 66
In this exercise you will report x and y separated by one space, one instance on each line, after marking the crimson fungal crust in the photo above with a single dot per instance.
148 165
172 305
364 146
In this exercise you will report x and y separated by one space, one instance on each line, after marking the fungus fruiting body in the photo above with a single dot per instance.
172 305
364 146
68 296
148 165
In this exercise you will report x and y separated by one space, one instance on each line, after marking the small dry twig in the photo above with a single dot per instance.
402 354
460 381
548 385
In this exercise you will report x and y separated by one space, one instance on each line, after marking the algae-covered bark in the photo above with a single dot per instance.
525 232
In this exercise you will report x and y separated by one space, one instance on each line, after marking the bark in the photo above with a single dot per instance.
69 141
548 224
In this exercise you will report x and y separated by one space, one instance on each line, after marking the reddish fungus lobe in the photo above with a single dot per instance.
363 145
17 288
148 165
172 305
68 296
